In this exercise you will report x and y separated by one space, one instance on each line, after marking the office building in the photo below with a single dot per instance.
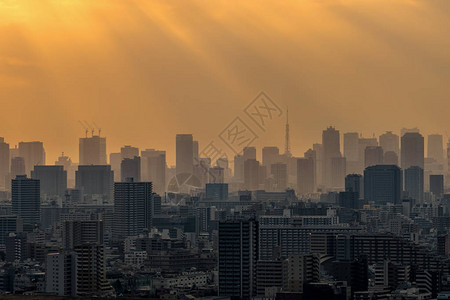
390 142
414 183
128 152
8 224
412 150
95 182
251 174
436 148
383 184
437 185
130 168
216 175
53 180
115 159
153 169
92 150
279 173
17 166
217 191
33 153
305 176
270 155
354 183
373 155
133 208
26 201
331 150
338 171
390 158
184 153
4 164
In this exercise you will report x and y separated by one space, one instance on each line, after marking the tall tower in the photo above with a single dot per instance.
287 149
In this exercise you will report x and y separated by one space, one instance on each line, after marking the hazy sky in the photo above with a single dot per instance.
146 70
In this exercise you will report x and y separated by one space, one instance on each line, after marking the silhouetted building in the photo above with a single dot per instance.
354 183
53 180
251 174
26 201
184 153
238 252
390 142
92 150
414 183
17 166
412 150
390 158
115 159
133 208
95 182
338 165
383 184
4 164
33 153
373 155
270 155
305 176
280 176
437 185
436 148
216 175
154 169
130 168
331 149
217 191
128 152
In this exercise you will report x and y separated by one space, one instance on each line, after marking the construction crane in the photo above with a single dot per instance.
89 126
98 128
84 126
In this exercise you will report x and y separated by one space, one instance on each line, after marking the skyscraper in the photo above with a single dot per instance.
249 153
412 150
184 153
92 150
351 151
251 174
414 182
95 182
4 163
238 252
133 208
331 149
437 185
363 144
26 201
338 165
115 159
436 148
390 142
373 155
216 175
128 152
270 155
154 169
17 166
305 176
383 184
354 183
130 168
53 180
280 175
33 153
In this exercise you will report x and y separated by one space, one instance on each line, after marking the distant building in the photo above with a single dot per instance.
153 169
53 180
128 152
130 168
437 185
390 142
331 150
383 184
33 154
92 150
414 183
4 164
251 174
184 153
412 150
217 191
95 182
373 155
280 176
26 201
305 176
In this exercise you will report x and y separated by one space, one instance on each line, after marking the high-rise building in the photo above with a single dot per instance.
373 155
239 168
92 150
390 142
305 176
390 158
154 169
280 176
338 165
61 274
436 148
76 232
128 152
354 183
216 175
437 185
4 163
184 153
115 159
363 144
26 200
251 174
33 153
95 182
351 151
318 148
217 191
69 167
8 224
130 168
270 155
17 166
238 252
53 180
249 153
331 149
414 182
383 184
412 150
133 208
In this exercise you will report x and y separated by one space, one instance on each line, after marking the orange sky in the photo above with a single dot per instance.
146 70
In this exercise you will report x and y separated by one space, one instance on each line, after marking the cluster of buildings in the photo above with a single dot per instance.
368 220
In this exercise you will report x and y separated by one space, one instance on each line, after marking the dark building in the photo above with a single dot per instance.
130 168
95 182
17 166
373 155
414 183
238 251
437 185
4 164
184 153
383 184
412 150
349 200
354 183
133 208
305 176
26 200
217 191
53 180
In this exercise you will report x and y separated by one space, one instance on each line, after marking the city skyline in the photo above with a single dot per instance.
339 63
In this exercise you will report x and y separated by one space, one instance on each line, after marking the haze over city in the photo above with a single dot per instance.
146 70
